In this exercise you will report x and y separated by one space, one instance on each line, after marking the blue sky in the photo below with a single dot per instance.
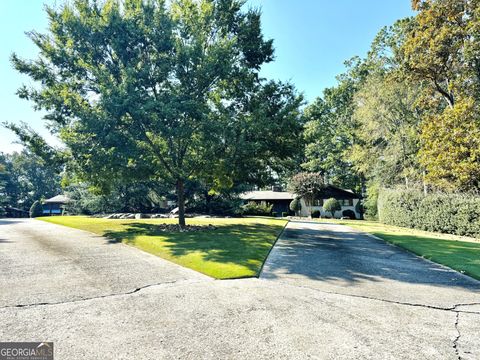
312 39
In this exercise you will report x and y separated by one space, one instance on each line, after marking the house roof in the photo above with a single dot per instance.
267 195
338 193
62 199
329 192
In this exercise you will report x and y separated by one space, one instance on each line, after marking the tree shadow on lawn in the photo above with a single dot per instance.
350 257
239 244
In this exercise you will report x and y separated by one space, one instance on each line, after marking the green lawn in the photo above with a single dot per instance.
461 254
237 248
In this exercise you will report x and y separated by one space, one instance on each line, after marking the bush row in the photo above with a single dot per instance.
457 214
252 208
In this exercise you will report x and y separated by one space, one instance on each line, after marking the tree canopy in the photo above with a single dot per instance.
164 90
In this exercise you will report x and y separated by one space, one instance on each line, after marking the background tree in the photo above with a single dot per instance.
138 197
451 150
387 132
329 129
3 193
27 178
167 91
442 51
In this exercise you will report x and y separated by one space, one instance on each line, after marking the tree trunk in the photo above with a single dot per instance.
181 203
208 205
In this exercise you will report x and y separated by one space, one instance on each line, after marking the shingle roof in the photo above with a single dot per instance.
328 192
58 199
267 195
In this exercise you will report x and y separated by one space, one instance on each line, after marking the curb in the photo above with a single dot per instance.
269 251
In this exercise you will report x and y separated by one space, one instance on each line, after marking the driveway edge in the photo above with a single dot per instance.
269 251
445 267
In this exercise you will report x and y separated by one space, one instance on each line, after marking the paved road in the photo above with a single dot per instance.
317 298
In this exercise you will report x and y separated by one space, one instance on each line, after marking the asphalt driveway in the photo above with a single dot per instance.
326 292
339 259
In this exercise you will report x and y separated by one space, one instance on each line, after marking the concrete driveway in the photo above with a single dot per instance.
326 292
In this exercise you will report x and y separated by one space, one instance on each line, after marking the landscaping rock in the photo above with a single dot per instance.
187 228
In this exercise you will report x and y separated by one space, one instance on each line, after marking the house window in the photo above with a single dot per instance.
346 202
318 202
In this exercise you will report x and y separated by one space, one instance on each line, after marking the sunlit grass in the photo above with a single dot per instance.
237 248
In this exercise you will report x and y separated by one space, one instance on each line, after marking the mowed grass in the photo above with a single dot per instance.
459 253
237 248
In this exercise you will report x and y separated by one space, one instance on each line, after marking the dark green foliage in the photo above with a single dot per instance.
253 208
222 205
36 210
296 205
143 197
25 178
457 214
315 214
331 205
329 128
4 177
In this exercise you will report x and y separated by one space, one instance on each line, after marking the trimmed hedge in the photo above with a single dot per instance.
457 214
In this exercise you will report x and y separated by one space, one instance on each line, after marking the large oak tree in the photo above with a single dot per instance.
166 90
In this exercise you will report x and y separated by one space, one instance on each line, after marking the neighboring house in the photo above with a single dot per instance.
281 201
55 205
11 212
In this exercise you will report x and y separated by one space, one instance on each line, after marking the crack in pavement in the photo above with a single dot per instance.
457 338
454 308
20 306
455 343
433 307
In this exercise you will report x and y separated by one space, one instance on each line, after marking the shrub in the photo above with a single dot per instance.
284 214
315 214
371 208
457 214
225 206
349 214
36 209
253 208
296 205
331 205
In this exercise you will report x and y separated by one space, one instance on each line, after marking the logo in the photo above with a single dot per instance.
26 350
